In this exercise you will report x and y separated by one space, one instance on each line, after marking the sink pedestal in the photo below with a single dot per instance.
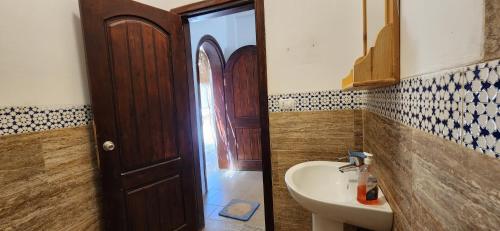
324 224
330 196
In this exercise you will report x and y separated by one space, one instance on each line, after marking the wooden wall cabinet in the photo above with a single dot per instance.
380 64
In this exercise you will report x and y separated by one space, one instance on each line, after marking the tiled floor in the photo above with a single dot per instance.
223 186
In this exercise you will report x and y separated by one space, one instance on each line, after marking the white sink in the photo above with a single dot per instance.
331 197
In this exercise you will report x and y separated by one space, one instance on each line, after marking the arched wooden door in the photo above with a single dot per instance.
243 109
217 63
138 77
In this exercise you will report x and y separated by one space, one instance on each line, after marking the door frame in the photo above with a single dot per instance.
217 51
214 8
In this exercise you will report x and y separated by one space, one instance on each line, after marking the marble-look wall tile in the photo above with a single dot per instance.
382 135
492 30
432 183
49 181
306 136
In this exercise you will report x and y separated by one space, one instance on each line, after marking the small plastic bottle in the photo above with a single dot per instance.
367 183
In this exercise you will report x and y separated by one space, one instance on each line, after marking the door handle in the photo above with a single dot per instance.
108 146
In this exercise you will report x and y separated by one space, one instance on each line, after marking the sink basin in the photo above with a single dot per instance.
330 195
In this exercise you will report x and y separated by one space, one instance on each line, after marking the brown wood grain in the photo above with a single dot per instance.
138 78
383 54
217 64
363 67
196 135
243 108
365 29
380 65
260 32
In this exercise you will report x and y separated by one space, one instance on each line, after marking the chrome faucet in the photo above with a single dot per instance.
356 159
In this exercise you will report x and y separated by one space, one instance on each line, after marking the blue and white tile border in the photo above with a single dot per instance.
461 105
17 120
431 103
319 101
481 114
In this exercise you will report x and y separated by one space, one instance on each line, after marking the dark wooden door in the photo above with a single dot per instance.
216 61
138 79
243 109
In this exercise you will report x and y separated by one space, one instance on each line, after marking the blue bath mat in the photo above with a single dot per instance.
239 209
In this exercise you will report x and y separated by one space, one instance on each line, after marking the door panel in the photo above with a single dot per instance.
243 109
248 150
138 78
245 86
149 210
139 103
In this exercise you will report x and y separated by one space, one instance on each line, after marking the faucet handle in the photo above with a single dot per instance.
357 154
356 158
342 158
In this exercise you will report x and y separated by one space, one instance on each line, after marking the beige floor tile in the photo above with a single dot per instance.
223 197
223 186
214 225
209 209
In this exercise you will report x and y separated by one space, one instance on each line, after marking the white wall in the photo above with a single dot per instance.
231 31
41 53
375 14
437 35
42 59
310 44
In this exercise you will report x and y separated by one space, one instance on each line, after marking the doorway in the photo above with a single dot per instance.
228 109
210 69
145 101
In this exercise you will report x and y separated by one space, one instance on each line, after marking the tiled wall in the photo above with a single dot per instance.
319 101
49 181
439 184
432 183
305 136
48 169
17 120
429 181
492 30
460 105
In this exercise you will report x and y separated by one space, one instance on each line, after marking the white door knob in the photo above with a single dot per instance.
108 146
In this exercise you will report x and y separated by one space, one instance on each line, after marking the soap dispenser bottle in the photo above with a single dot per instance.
367 182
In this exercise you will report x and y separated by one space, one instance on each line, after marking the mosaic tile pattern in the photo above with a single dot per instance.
432 104
319 101
481 112
17 120
460 105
